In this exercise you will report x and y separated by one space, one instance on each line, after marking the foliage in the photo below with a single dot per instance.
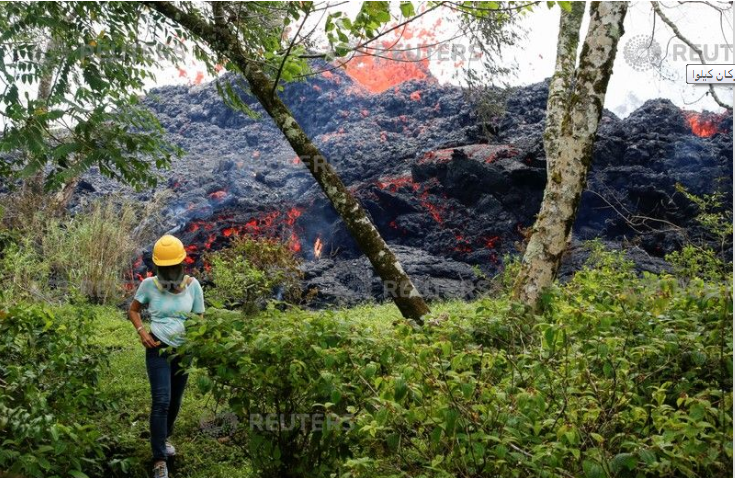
94 59
48 386
692 261
251 271
698 258
81 257
621 375
91 252
714 216
291 379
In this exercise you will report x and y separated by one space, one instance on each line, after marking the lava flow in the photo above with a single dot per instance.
318 245
703 125
378 74
423 194
218 195
216 232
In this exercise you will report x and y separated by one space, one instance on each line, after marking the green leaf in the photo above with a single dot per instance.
407 9
623 461
647 456
336 396
592 469
400 389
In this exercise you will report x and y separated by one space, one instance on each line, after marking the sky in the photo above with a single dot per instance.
535 54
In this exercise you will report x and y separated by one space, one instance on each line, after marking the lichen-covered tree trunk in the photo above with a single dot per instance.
573 111
396 282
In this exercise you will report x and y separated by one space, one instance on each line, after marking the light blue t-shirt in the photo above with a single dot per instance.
168 310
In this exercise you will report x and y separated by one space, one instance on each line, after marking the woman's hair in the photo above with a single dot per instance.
170 277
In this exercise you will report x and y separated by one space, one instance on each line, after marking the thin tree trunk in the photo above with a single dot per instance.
573 112
34 184
57 202
396 282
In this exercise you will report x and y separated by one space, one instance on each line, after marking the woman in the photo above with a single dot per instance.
170 296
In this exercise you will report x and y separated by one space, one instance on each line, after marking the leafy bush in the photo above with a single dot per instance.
621 375
24 275
249 273
48 386
83 257
692 262
291 378
715 216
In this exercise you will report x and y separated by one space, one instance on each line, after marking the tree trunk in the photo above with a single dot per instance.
57 202
396 282
33 185
573 111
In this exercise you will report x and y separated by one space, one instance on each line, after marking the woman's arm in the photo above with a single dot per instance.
134 316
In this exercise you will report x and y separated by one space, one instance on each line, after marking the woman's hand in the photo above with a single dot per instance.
147 340
134 316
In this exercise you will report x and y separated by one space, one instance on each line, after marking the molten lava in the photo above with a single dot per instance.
393 184
379 74
318 245
218 195
702 124
216 232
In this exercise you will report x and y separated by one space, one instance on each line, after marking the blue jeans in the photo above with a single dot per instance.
167 376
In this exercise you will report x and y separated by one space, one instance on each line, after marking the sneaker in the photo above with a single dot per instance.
170 449
160 471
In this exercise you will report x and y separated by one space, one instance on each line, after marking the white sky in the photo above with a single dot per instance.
535 56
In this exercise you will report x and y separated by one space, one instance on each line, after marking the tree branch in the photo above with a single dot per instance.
695 48
288 52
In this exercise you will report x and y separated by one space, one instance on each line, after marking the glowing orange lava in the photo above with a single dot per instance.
703 125
379 74
318 245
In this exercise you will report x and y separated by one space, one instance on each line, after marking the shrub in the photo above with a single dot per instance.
81 257
48 385
23 274
251 272
621 376
692 261
291 378
91 251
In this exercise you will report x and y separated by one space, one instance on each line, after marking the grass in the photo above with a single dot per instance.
198 455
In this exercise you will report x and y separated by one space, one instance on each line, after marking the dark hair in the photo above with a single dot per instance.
170 277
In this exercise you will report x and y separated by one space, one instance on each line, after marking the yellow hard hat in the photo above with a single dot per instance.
168 251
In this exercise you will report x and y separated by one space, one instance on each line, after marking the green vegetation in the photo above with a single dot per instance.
49 379
58 258
248 272
621 375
